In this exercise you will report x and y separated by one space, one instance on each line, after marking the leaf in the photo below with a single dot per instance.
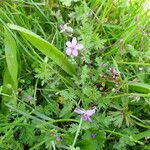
8 85
142 135
73 128
11 57
86 145
98 141
103 120
68 2
10 82
117 118
101 137
139 87
27 135
42 116
73 148
46 48
67 108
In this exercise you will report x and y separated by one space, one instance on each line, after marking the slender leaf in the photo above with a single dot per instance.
139 87
11 57
10 82
142 135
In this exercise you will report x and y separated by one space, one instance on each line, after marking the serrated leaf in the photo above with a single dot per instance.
117 118
66 110
73 128
27 135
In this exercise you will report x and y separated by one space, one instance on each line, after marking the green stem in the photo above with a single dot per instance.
77 133
64 120
53 145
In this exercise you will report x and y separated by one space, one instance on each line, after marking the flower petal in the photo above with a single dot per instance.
69 44
86 118
65 26
79 111
68 51
58 138
90 112
79 46
75 52
93 135
61 26
74 41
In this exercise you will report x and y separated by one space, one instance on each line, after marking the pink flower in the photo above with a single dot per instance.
86 114
113 71
73 47
93 135
29 97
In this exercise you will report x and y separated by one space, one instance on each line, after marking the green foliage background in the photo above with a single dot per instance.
33 64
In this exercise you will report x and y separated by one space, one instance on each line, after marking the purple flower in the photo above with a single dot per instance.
29 97
73 47
113 71
58 138
136 18
93 135
86 114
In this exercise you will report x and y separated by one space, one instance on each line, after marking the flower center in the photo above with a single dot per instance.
72 48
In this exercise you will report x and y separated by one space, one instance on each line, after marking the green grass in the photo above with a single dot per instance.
40 86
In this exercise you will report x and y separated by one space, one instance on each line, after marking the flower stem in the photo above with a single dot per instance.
53 145
77 133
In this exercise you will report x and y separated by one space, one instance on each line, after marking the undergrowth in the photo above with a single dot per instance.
89 95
